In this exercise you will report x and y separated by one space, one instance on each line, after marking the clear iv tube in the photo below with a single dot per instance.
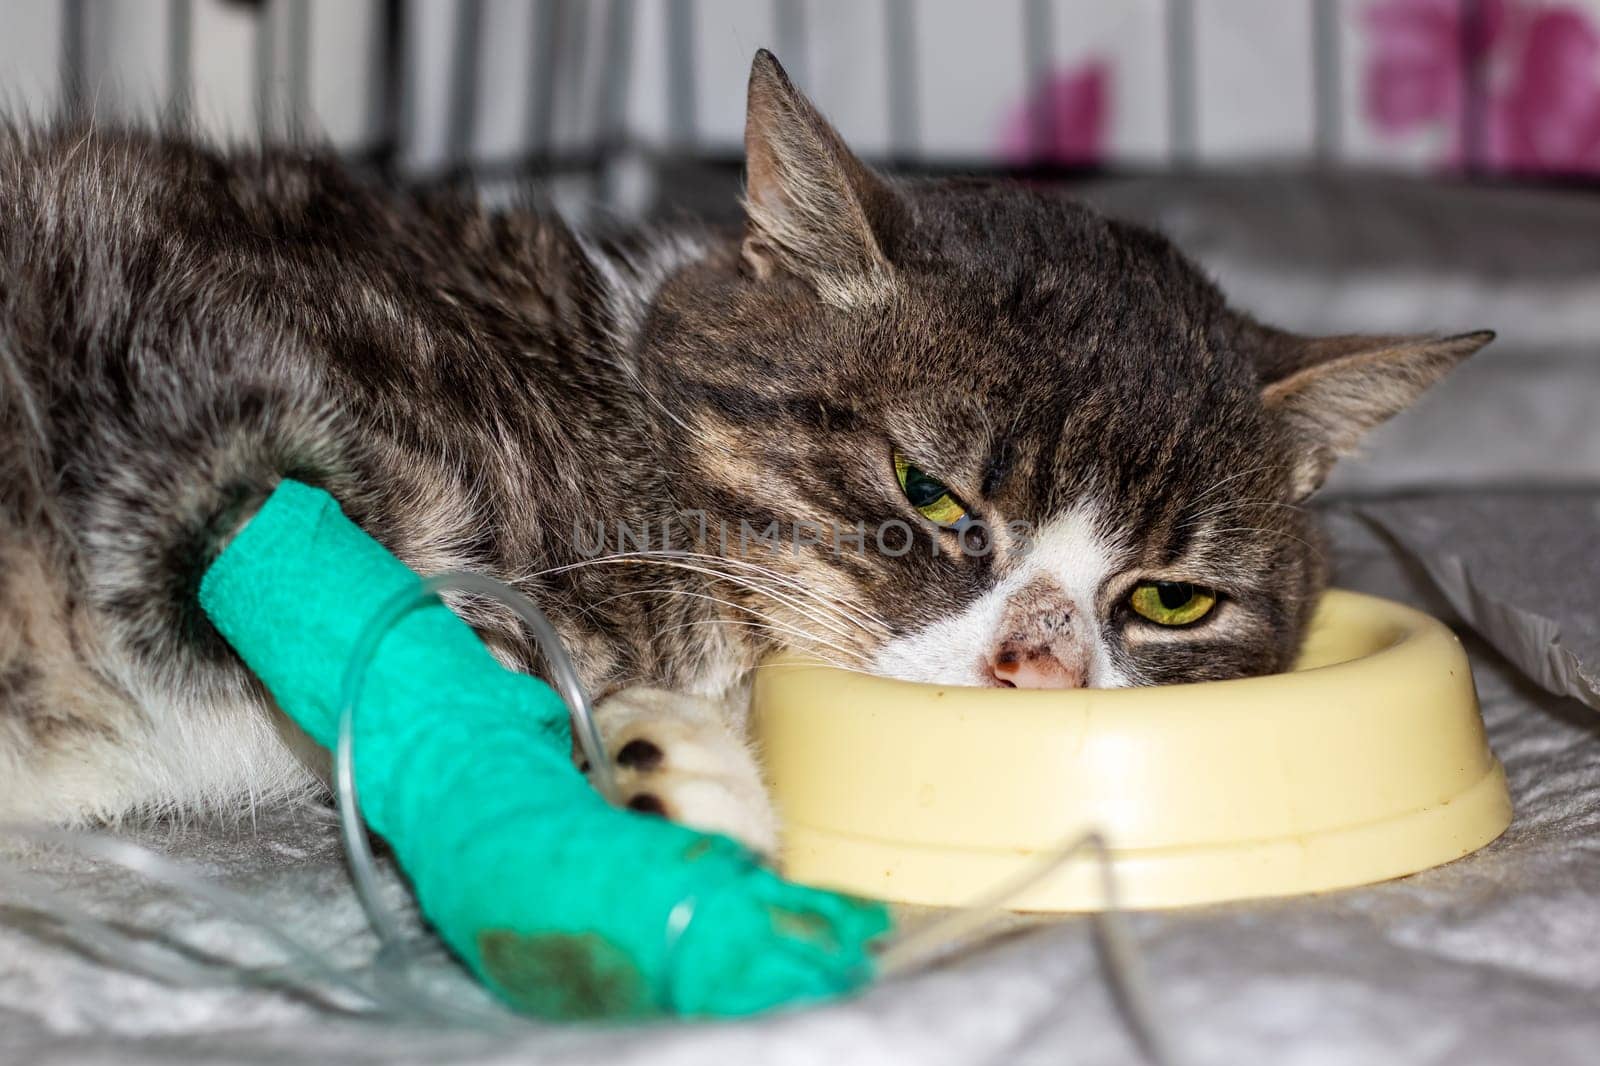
563 675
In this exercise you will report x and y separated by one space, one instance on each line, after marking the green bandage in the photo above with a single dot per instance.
564 905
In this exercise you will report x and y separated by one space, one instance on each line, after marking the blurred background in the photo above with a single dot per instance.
1339 165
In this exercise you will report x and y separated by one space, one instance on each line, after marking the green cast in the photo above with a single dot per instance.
564 905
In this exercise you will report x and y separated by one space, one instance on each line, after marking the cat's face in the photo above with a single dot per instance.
976 434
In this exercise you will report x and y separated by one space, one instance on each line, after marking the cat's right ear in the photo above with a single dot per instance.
812 208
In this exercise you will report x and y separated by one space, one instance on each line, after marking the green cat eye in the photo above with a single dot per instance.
932 499
1171 603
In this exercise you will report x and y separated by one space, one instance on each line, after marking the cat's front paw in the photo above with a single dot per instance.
683 758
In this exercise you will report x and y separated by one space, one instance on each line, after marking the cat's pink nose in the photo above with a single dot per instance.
1014 666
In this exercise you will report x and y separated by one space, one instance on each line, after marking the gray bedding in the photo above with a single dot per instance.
1492 959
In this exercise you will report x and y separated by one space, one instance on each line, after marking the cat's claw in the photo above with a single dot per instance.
682 757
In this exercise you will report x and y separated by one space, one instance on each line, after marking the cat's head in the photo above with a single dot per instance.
975 433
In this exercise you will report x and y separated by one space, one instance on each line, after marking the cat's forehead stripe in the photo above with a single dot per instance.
1071 549
998 466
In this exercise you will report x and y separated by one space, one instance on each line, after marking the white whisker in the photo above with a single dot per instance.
735 579
1227 505
862 613
769 623
676 559
861 661
1270 532
1246 472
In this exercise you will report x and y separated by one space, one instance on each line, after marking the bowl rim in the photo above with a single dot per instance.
1399 720
1404 626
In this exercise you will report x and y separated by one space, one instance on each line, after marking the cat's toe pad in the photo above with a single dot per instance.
689 784
672 760
640 754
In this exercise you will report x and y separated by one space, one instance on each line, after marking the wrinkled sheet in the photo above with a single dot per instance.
1487 554
1491 959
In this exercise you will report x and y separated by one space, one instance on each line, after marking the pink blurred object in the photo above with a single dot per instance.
1539 65
1063 121
1548 118
1415 73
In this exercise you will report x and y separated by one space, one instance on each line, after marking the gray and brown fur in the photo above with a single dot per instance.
180 327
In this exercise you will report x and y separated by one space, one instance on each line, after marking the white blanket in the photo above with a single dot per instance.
1492 959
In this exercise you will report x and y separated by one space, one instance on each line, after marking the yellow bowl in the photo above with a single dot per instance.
1368 761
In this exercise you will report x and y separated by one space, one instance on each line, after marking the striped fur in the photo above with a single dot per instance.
661 435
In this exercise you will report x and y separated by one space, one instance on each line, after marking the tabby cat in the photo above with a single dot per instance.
953 431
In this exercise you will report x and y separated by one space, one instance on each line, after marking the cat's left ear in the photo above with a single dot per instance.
814 210
1328 392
